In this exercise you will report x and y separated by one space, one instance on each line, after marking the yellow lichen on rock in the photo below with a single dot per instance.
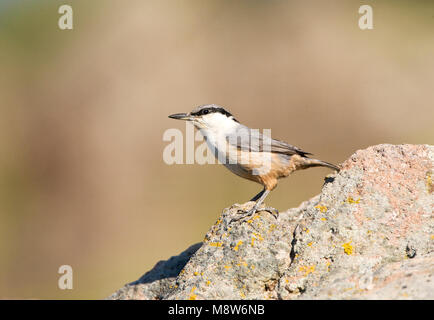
258 236
321 208
238 245
351 200
192 295
216 244
348 248
307 269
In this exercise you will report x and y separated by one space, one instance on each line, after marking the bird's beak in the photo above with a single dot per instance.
181 116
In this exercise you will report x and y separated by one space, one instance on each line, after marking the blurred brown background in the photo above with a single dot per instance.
82 115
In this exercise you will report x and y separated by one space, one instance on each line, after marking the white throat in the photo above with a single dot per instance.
216 127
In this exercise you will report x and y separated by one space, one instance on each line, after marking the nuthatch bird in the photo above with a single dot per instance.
248 153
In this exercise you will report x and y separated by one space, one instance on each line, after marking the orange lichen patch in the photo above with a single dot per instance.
359 216
321 208
310 244
216 244
196 273
238 245
348 248
323 219
328 263
272 227
395 181
432 237
429 182
208 282
307 269
227 267
218 222
192 295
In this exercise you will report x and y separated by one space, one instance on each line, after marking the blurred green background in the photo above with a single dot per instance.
82 115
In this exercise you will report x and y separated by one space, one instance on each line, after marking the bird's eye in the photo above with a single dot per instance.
206 111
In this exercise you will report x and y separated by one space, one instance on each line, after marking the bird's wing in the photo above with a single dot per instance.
252 140
278 146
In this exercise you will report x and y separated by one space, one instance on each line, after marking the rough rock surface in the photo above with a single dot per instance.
368 235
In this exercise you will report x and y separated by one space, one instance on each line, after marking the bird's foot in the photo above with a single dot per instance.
243 214
274 212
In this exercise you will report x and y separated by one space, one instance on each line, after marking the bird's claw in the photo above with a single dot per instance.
273 211
245 215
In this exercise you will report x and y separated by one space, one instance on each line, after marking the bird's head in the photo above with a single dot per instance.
211 117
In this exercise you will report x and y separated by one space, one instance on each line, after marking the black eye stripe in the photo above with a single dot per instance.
211 110
223 111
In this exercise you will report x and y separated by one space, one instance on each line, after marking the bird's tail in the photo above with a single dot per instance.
319 163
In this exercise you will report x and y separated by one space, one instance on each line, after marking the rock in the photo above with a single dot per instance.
154 284
369 234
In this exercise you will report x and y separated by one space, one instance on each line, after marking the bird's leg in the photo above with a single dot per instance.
255 198
260 197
